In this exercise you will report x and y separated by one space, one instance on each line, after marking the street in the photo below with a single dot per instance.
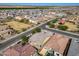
73 35
16 38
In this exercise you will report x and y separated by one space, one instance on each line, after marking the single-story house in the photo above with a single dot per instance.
19 50
58 44
39 39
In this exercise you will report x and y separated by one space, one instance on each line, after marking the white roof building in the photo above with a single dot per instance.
39 39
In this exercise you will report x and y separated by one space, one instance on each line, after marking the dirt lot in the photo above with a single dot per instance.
71 26
18 25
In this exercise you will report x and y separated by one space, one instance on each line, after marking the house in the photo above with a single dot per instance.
61 14
58 44
18 17
5 32
33 21
36 20
40 18
39 39
62 21
19 50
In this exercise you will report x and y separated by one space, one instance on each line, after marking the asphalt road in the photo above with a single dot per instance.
72 35
12 40
17 38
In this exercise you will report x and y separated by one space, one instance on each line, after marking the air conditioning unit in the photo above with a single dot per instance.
57 54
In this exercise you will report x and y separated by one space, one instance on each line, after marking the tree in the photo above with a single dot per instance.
9 32
1 38
51 25
9 18
33 31
49 53
17 31
48 23
62 27
24 20
24 40
24 29
27 21
36 30
54 21
69 13
77 26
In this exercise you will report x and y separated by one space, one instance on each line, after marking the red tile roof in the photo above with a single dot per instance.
19 50
62 21
58 42
11 52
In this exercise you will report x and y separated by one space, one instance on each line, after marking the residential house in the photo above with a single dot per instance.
58 45
62 21
39 39
20 50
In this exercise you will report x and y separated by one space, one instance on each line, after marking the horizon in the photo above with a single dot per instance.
39 4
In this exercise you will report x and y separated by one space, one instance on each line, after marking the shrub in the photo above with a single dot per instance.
24 39
36 30
24 29
51 25
62 27
54 21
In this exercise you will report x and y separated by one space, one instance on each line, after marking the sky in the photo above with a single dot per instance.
39 4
